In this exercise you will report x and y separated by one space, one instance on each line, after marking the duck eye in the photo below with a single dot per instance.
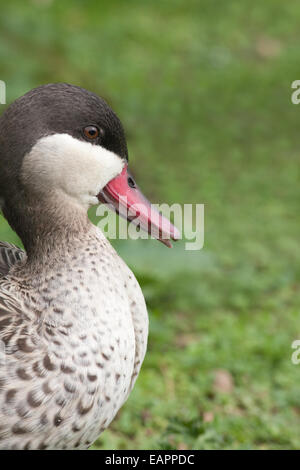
91 132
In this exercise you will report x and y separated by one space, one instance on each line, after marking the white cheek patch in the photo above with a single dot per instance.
79 169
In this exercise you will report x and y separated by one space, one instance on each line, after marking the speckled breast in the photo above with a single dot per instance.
69 369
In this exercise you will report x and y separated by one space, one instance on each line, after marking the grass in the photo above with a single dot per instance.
203 89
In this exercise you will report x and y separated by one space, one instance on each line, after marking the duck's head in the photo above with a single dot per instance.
63 140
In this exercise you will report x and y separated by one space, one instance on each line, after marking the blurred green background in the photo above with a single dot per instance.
203 88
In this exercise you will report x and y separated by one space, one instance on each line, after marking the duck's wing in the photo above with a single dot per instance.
10 310
9 255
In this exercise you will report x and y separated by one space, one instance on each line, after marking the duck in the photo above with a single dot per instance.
73 319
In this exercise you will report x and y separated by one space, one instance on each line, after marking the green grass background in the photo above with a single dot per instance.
203 88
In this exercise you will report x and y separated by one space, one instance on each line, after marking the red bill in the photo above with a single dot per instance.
123 195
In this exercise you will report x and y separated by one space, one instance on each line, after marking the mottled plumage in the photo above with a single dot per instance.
9 255
75 338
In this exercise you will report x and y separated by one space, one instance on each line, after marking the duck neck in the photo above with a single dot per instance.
48 227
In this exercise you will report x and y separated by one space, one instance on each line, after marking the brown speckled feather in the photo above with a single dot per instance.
9 255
